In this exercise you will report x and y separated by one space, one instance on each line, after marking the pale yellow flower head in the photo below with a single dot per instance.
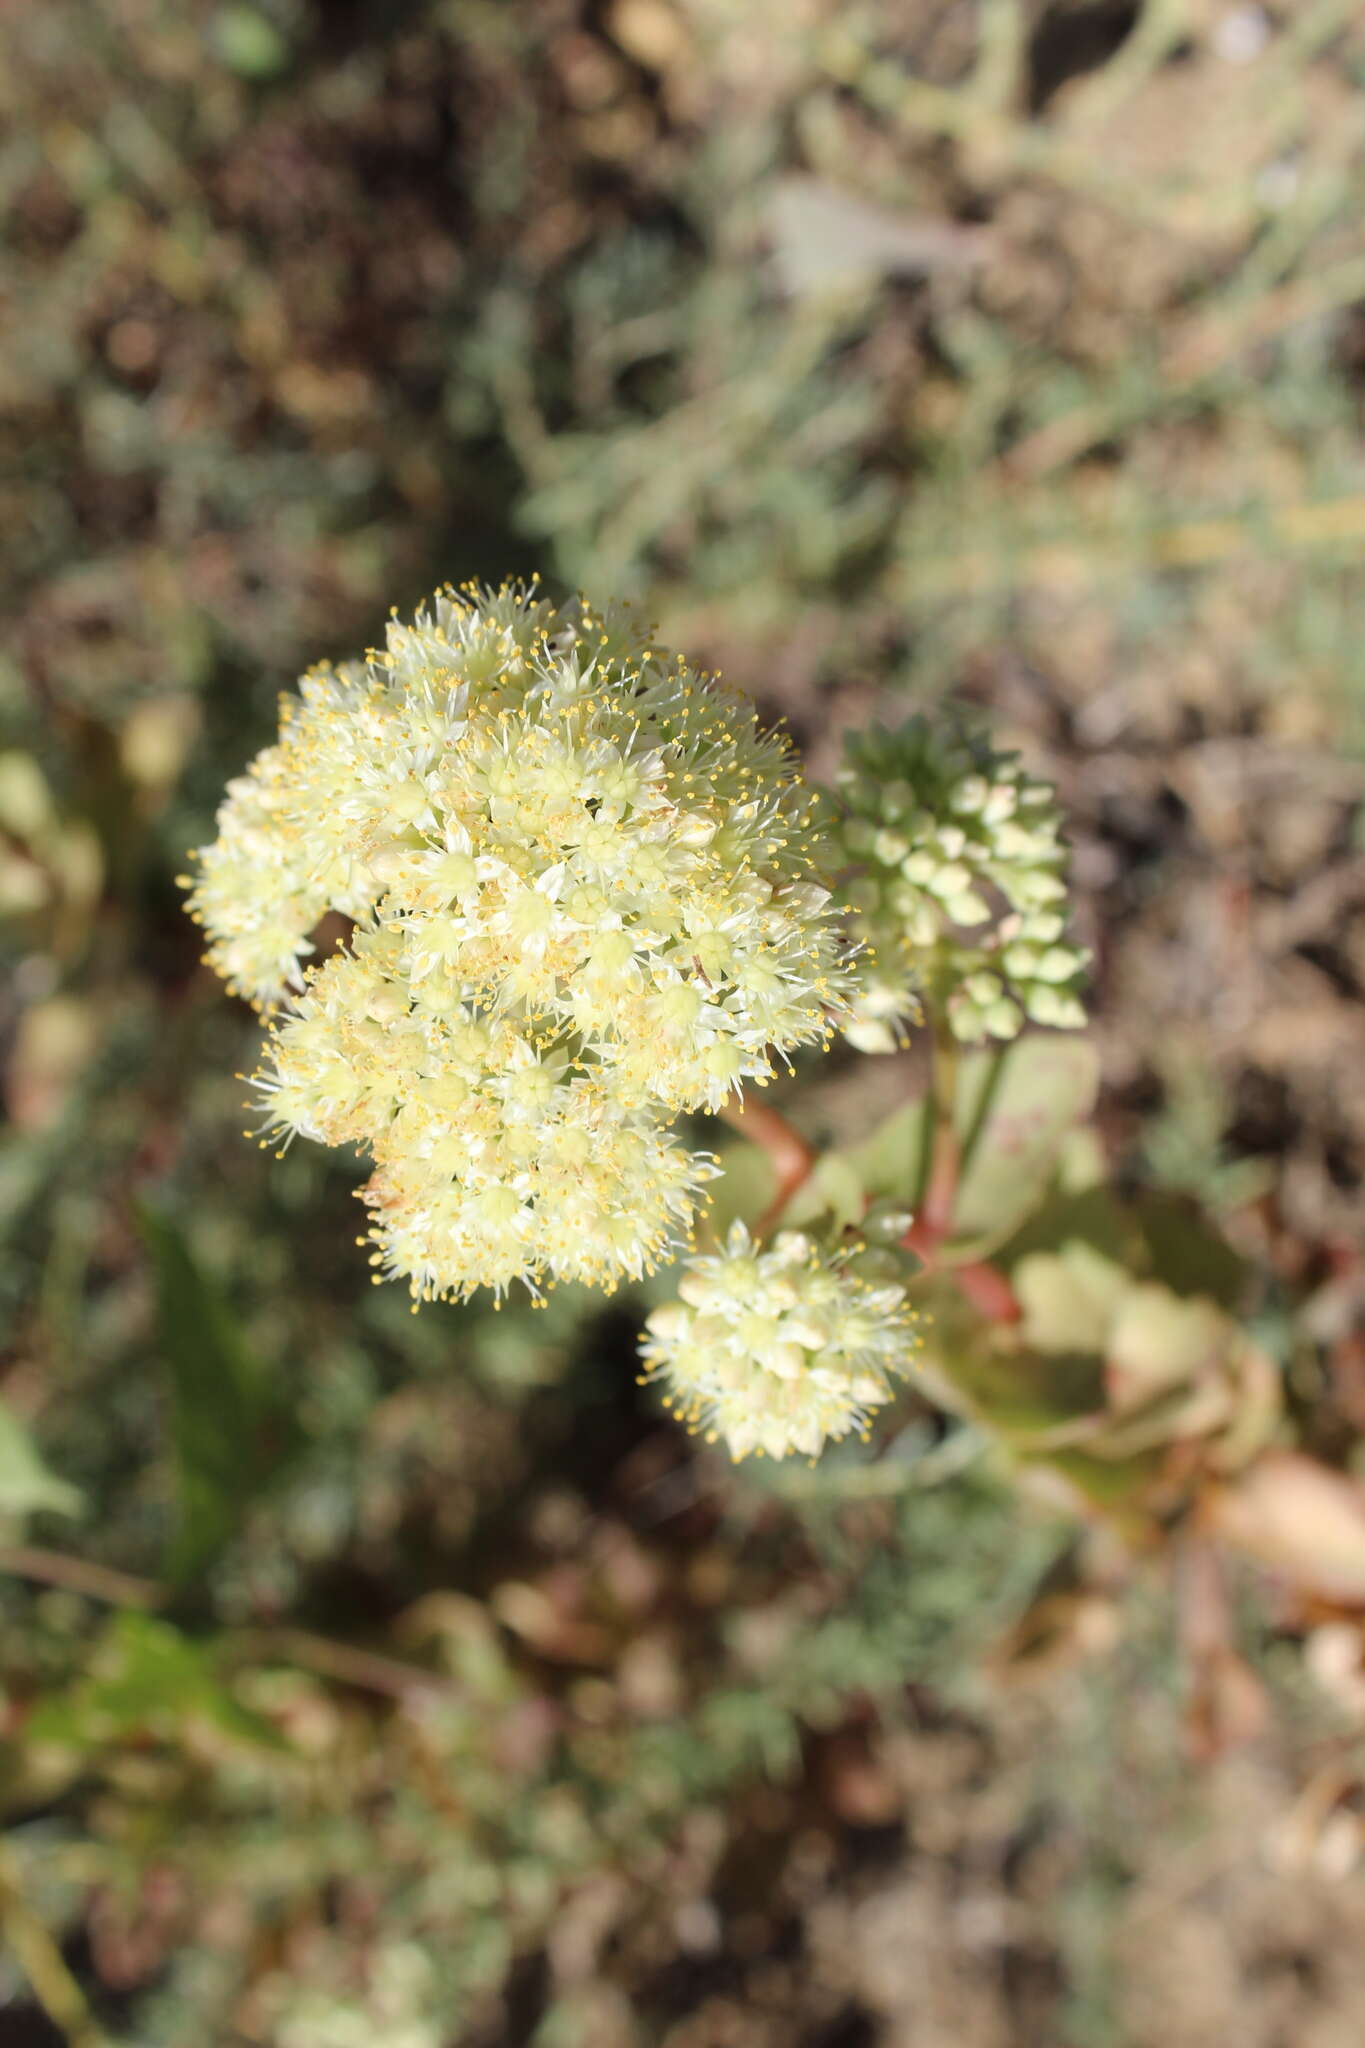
779 1350
584 900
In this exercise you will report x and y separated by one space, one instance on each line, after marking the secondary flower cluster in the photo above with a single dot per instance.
778 1350
958 888
583 900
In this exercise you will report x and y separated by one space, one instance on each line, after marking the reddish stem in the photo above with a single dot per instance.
792 1158
940 1195
985 1287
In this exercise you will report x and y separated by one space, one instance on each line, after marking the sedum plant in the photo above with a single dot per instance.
585 895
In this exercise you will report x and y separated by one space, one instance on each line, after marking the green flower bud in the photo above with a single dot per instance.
956 885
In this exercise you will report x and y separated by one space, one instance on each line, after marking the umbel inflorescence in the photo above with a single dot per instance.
584 900
779 1350
955 877
584 896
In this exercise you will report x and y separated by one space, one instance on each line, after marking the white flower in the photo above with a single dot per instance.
567 1188
557 846
778 1350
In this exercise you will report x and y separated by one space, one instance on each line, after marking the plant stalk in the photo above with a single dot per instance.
984 1286
792 1158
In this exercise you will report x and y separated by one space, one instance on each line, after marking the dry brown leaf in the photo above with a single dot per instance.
1300 1520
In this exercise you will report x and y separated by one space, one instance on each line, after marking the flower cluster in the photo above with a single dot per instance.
958 886
583 900
778 1350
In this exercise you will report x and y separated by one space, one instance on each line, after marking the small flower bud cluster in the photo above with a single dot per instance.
958 890
778 1350
584 901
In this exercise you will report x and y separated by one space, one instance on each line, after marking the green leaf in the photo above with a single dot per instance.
892 1161
230 1431
26 1484
1014 1114
745 1187
1069 1298
887 1166
1089 1216
1117 1490
993 1376
835 1188
1025 1396
1188 1253
148 1680
1160 1339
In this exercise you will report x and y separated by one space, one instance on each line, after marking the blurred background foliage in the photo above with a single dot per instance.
371 1677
